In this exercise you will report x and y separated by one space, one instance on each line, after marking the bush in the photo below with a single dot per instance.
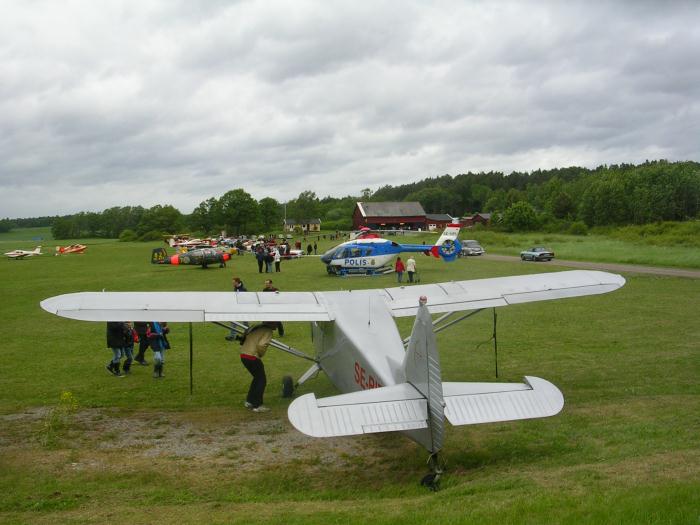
341 224
153 235
521 216
127 236
578 228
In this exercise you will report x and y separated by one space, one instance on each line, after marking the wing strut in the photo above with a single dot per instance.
240 329
191 380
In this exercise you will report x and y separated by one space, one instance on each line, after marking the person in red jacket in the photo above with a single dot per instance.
400 268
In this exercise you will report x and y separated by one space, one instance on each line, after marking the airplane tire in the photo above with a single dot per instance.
287 386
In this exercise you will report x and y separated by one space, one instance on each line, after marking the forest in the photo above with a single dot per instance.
571 200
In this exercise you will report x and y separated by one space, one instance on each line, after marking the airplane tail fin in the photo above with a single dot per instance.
448 246
422 368
159 256
37 250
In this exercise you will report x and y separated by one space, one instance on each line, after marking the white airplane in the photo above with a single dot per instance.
21 254
385 387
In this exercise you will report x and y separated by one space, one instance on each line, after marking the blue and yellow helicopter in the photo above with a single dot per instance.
369 254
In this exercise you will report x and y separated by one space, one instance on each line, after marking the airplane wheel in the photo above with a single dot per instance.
431 481
287 386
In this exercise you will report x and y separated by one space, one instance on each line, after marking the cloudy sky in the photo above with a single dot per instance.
108 103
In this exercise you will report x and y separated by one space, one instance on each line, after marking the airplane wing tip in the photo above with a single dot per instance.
548 390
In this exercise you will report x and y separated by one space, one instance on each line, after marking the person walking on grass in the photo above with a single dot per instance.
115 342
130 337
277 258
411 268
159 344
400 268
141 328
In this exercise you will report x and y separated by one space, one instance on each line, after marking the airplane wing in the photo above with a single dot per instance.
188 306
500 291
314 306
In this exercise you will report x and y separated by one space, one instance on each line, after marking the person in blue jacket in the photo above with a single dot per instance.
158 341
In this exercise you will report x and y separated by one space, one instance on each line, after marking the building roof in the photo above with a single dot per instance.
292 222
486 216
390 209
440 217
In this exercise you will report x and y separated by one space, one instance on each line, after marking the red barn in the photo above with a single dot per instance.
389 215
477 218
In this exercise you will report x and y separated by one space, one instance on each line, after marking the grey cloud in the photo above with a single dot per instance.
192 99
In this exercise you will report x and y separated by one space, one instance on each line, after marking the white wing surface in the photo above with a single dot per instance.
472 403
189 306
311 306
386 409
501 291
402 407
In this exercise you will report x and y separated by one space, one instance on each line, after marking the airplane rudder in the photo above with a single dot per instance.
159 256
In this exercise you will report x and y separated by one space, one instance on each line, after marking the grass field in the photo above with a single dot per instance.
597 248
80 446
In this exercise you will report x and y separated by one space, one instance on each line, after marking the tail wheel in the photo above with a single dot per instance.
287 386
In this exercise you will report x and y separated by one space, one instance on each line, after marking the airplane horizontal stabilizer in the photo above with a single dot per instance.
472 403
386 409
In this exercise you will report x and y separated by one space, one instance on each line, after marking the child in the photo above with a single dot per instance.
159 343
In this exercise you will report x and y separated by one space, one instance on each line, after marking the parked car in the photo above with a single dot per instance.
471 247
537 253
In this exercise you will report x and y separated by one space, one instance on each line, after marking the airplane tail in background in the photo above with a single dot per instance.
37 251
448 246
159 256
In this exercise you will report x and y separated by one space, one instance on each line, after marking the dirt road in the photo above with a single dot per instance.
612 267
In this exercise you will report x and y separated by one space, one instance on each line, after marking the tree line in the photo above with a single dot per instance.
573 197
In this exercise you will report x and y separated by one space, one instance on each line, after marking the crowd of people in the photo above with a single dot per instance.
121 339
123 336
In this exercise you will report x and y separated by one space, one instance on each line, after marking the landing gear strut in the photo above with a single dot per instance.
432 480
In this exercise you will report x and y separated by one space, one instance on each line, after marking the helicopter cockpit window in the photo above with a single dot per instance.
339 253
366 252
355 252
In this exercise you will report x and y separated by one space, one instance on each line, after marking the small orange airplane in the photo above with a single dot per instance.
73 248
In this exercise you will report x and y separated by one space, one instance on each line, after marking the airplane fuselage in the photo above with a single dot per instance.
362 347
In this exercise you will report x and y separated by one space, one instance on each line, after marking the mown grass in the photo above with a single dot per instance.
625 449
627 249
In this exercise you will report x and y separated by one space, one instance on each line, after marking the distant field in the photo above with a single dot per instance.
28 235
589 248
625 449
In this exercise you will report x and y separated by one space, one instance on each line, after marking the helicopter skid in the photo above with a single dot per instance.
357 272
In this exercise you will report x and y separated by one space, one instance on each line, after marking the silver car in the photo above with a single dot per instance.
471 247
537 253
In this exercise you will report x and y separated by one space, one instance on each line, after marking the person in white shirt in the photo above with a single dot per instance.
411 268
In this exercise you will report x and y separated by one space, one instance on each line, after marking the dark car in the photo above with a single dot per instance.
537 253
